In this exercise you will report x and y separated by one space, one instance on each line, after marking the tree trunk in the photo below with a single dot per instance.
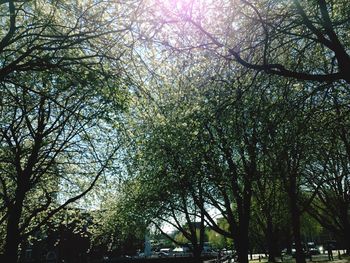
346 223
24 246
347 239
242 242
197 251
295 216
13 237
299 253
272 245
347 245
289 240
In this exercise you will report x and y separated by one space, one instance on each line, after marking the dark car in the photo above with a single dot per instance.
162 254
312 249
294 249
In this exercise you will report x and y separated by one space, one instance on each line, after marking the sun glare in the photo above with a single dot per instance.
184 6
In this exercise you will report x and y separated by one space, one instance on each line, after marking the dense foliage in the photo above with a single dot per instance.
226 121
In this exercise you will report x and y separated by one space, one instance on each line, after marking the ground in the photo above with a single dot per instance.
316 258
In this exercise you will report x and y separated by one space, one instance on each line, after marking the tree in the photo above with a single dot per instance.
118 228
37 34
169 185
46 140
210 139
261 35
58 90
329 175
270 215
234 125
219 241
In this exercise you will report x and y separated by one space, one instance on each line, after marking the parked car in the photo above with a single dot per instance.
162 254
166 250
294 250
312 249
209 252
182 252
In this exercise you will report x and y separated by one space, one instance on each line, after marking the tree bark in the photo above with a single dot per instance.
299 254
272 245
295 217
13 236
347 238
242 242
197 251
